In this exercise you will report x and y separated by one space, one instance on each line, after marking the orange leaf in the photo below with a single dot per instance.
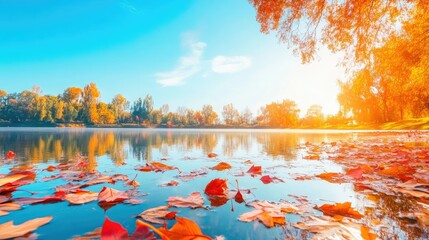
216 187
212 155
161 167
343 209
221 166
331 177
81 197
109 195
51 168
366 234
8 230
257 170
355 173
184 229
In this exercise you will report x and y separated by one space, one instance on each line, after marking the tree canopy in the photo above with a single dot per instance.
354 26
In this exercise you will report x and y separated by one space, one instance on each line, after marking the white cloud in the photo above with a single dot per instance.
231 64
187 67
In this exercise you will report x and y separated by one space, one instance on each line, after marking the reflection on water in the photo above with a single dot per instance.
42 145
268 148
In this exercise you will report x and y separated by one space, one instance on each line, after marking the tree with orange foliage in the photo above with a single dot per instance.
356 27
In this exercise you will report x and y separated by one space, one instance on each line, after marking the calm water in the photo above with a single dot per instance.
111 151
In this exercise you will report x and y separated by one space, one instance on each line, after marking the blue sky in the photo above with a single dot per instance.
184 53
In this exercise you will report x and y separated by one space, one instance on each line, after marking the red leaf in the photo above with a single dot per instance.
113 230
239 197
216 187
170 215
267 179
256 170
10 155
142 233
355 173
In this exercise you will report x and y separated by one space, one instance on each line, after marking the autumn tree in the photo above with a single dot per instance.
314 116
282 114
118 106
208 115
230 114
89 103
245 117
356 27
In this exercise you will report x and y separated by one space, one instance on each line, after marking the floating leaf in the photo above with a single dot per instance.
9 230
255 170
170 215
221 166
5 208
216 187
212 155
155 215
184 229
81 197
267 179
10 155
170 184
57 197
194 200
342 209
113 230
161 167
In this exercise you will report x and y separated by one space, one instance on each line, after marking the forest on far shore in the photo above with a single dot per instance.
77 106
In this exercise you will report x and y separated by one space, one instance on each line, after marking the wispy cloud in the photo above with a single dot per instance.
125 4
230 64
187 67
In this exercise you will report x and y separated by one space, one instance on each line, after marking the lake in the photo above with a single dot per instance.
292 158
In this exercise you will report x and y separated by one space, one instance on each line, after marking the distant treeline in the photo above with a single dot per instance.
83 106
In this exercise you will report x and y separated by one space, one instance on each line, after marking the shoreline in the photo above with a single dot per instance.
410 124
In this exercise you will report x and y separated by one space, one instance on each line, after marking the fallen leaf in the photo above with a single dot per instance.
10 155
355 173
184 229
221 166
9 230
109 197
191 176
81 197
216 187
170 184
170 215
327 228
95 234
113 230
160 167
267 179
5 208
312 157
57 197
331 177
194 200
255 170
155 215
342 209
212 155
51 168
